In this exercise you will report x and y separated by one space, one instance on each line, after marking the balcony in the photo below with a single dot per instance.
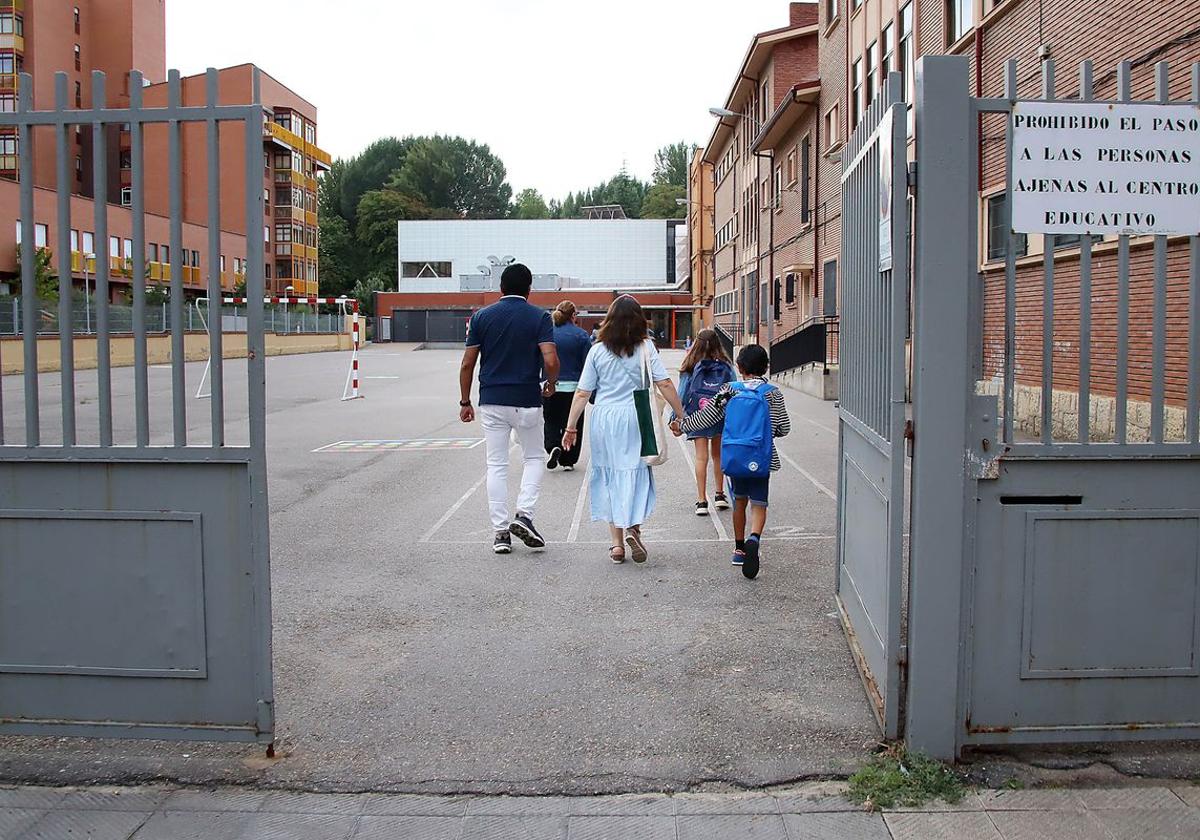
277 133
285 212
310 219
320 157
9 41
8 82
283 176
17 6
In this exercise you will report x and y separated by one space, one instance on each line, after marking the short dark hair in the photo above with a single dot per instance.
516 280
753 359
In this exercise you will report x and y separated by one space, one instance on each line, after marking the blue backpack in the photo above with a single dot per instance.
708 377
749 438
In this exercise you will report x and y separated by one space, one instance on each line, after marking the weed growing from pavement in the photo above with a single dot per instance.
898 778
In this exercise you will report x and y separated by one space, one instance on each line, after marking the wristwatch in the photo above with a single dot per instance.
464 403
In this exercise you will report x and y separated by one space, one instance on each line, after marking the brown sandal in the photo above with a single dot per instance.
616 554
633 537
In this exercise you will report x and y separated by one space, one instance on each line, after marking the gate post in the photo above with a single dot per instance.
941 389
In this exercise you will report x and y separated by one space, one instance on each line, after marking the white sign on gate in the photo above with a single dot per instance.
1096 168
885 191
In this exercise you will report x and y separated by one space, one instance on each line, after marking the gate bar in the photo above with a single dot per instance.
1158 387
29 301
1048 296
175 179
100 205
1122 406
138 281
66 336
1010 263
1085 296
1193 410
215 356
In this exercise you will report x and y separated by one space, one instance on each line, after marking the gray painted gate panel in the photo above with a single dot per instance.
872 411
135 592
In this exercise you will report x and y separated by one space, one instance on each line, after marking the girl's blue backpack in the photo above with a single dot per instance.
707 378
749 439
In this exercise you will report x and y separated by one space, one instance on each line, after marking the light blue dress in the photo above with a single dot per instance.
620 485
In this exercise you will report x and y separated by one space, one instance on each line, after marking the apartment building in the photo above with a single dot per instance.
701 235
743 254
117 36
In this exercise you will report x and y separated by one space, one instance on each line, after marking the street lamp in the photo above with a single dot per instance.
287 294
724 113
87 312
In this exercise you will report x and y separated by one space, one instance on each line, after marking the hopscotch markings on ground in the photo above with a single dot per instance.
712 517
414 445
805 473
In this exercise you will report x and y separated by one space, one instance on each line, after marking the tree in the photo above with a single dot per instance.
339 254
671 164
45 277
375 238
529 204
455 175
660 202
625 190
368 171
364 292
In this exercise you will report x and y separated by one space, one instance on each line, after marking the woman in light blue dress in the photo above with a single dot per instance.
621 485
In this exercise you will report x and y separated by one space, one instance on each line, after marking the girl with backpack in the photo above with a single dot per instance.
704 372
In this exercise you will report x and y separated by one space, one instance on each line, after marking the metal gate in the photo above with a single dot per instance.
134 556
1054 564
871 445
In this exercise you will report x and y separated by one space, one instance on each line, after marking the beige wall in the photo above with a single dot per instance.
158 349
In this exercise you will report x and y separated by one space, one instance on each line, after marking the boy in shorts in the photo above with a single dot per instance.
751 492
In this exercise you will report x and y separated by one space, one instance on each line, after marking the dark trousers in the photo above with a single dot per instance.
556 411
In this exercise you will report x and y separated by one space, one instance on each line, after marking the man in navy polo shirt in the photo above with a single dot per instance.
514 343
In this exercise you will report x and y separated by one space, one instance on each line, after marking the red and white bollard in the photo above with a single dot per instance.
350 392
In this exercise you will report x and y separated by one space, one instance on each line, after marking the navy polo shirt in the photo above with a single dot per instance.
507 334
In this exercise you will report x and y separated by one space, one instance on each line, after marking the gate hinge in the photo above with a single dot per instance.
902 656
912 175
910 437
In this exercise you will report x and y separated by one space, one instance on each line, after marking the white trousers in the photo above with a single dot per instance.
499 422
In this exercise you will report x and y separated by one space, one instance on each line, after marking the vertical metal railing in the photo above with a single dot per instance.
100 220
217 402
33 434
175 181
137 163
1142 294
66 336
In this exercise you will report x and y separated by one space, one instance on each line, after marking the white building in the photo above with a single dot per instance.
452 255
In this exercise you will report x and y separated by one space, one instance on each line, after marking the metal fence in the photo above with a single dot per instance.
85 318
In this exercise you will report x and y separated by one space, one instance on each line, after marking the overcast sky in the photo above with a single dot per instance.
563 91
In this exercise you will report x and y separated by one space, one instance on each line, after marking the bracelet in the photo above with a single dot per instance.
464 403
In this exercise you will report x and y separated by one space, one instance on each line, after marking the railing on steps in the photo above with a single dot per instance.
814 341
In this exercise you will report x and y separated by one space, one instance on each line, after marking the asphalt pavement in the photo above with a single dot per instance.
410 658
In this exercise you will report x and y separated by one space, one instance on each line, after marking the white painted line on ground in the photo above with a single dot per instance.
820 425
716 520
382 377
583 487
653 542
428 535
807 474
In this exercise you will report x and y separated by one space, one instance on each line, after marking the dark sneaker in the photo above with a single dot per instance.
702 508
739 557
750 567
502 544
552 461
568 468
721 502
522 528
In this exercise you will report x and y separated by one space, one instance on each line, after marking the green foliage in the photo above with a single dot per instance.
369 171
378 213
529 204
450 173
45 276
338 253
623 189
364 292
671 164
897 777
660 202
157 294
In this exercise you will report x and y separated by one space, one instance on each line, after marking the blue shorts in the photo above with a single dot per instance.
755 489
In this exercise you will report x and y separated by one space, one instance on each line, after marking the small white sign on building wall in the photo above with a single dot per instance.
1081 168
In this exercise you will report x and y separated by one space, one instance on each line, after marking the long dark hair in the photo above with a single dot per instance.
706 346
624 326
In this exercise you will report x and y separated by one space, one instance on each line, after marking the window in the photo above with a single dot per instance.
283 233
778 187
267 271
266 233
127 248
829 297
872 73
775 307
74 240
998 227
126 196
8 145
906 50
805 178
831 10
89 242
8 103
8 64
222 262
78 168
833 128
435 269
114 246
78 58
11 24
1067 240
960 18
887 45
166 253
76 20
764 103
151 252
196 259
725 234
126 158
791 167
856 95
78 95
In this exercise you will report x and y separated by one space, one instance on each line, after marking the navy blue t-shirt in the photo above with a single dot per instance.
507 334
573 345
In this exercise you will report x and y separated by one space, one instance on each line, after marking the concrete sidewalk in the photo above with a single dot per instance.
816 811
